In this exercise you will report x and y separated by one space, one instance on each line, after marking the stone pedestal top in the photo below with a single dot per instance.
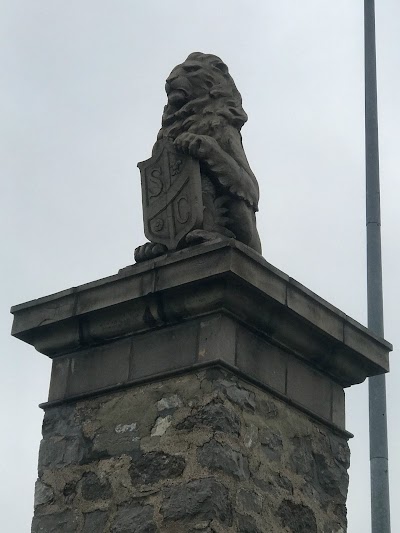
223 277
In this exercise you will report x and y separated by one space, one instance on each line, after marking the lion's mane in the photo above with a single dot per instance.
218 107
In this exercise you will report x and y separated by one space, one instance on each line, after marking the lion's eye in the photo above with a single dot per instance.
192 68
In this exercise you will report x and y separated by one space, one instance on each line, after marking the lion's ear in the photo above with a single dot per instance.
220 65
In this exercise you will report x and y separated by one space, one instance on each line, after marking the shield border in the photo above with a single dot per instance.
192 183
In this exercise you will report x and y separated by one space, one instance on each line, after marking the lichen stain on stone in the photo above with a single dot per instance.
169 402
123 428
161 426
250 436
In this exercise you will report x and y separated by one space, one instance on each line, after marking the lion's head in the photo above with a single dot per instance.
202 98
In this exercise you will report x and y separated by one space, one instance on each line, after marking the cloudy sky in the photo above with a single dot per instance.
82 92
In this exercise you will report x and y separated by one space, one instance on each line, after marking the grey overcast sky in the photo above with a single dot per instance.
82 92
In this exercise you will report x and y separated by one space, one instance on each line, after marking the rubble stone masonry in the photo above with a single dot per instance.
201 452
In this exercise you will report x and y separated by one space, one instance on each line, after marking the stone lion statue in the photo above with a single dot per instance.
203 118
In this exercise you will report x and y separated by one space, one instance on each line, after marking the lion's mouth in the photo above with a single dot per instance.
177 97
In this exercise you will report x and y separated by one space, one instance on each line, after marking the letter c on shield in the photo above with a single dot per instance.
182 210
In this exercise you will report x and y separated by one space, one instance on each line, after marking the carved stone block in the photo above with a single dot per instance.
171 195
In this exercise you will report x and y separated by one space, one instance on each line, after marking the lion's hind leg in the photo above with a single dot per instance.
216 220
243 223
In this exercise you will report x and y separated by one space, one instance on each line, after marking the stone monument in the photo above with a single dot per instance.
198 185
201 389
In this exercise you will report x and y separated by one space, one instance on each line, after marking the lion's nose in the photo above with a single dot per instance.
170 83
172 77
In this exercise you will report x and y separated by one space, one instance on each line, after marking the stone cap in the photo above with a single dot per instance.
223 276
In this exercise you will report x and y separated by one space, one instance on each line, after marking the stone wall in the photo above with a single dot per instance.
201 452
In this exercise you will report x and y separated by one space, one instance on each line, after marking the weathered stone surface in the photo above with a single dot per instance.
69 491
333 527
330 481
132 302
217 456
334 481
169 403
268 408
338 405
217 338
43 493
301 457
99 367
250 435
298 518
134 517
273 482
114 436
249 501
340 451
340 512
61 422
56 452
161 426
163 350
271 443
310 388
95 522
262 360
282 481
154 466
204 526
247 524
201 452
238 395
55 523
215 416
201 498
95 489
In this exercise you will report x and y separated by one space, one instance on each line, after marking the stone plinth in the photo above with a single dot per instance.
201 391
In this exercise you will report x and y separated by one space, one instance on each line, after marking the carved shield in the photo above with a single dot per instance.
171 195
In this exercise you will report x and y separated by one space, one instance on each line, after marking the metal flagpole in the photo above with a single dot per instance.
380 507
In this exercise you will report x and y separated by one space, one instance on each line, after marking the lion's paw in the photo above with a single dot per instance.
149 251
198 146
